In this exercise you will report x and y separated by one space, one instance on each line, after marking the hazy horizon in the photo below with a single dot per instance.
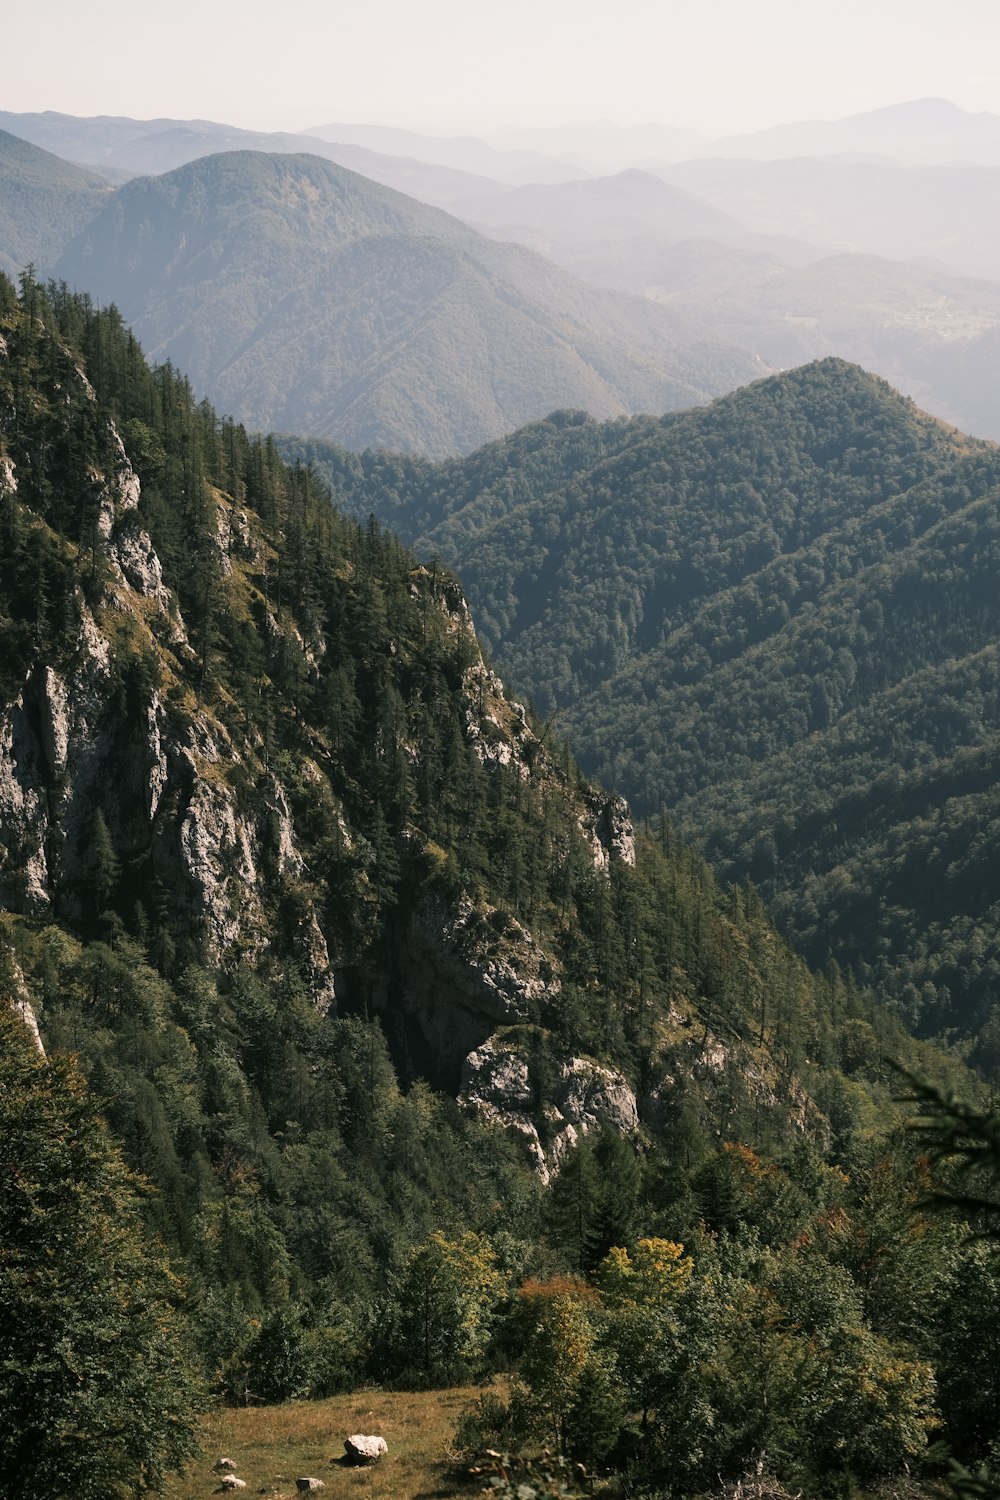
729 67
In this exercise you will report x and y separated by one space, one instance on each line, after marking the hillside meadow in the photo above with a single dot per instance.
273 1445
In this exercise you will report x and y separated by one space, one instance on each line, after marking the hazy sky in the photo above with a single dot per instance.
719 65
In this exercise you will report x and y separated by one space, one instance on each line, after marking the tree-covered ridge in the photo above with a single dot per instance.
632 525
776 619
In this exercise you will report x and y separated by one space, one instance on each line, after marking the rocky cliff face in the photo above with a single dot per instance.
114 767
15 991
91 741
469 969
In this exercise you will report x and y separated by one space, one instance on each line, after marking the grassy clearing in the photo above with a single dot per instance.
271 1446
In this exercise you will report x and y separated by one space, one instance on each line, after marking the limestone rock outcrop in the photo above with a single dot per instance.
98 738
470 969
608 823
508 1082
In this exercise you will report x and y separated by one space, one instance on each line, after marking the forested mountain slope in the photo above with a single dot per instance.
777 618
434 1064
299 295
43 202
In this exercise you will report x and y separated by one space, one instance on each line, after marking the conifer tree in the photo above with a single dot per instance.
96 1395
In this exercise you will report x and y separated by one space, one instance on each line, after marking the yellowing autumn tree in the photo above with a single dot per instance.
654 1276
640 1293
558 1346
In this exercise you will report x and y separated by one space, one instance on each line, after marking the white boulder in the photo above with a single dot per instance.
364 1449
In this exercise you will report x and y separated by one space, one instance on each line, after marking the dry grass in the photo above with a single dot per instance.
272 1446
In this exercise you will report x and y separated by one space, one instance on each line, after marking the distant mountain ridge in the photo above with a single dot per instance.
466 153
622 207
120 147
301 296
774 256
947 213
601 146
916 131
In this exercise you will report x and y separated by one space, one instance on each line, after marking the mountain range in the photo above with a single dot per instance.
919 131
303 297
916 131
742 248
